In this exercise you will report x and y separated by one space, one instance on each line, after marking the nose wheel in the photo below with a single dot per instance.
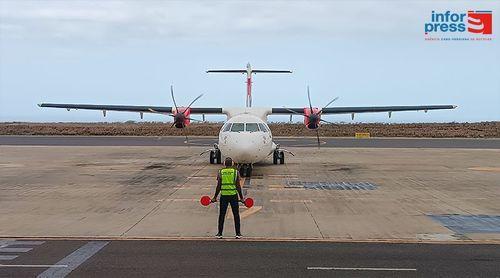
278 157
245 170
215 157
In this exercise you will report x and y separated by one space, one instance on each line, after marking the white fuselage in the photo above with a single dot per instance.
246 137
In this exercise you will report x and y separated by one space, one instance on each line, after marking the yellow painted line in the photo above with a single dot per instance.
245 213
290 201
486 169
250 211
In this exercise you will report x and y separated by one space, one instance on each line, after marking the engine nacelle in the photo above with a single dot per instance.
181 117
311 117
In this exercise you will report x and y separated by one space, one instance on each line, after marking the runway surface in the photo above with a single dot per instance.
74 258
284 141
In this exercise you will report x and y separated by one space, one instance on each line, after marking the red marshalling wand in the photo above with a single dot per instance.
206 200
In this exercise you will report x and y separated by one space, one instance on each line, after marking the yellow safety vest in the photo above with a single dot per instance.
228 178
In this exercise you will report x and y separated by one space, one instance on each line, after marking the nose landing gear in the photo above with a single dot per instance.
278 157
245 170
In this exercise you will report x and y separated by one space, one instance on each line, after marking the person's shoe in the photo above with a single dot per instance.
219 236
238 236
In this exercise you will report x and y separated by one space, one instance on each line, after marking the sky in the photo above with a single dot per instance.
130 52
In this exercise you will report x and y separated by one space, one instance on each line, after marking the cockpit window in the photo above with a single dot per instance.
237 127
263 127
227 127
252 127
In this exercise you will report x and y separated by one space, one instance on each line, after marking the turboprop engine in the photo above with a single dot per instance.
181 114
181 117
312 117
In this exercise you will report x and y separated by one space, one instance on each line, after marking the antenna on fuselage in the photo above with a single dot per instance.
249 71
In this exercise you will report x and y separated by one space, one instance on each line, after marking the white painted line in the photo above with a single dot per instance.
290 201
26 242
33 265
75 259
184 200
7 257
15 249
360 268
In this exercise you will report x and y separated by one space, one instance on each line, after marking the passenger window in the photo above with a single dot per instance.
237 127
252 127
227 127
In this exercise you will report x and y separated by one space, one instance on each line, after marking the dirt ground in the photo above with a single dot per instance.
435 130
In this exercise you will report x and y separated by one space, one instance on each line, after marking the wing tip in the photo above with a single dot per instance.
455 106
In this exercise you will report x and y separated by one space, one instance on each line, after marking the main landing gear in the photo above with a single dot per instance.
215 156
278 157
245 170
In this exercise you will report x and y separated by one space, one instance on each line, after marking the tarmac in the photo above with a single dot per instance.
433 209
119 258
326 142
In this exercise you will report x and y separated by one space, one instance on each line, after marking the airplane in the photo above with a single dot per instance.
245 136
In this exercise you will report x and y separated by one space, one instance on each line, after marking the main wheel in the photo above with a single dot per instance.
282 157
212 157
218 157
243 170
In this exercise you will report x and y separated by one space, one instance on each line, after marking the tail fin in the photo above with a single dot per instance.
249 71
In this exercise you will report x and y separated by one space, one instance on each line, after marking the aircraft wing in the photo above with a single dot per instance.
130 108
367 109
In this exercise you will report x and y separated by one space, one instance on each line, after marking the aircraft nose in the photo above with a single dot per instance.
245 150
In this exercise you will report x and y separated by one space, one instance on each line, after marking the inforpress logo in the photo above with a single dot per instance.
461 24
480 22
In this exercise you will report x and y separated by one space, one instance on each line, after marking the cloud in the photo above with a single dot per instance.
215 20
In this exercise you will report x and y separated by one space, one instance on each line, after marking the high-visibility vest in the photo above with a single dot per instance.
228 178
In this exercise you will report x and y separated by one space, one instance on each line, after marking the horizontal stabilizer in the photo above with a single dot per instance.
251 71
272 71
227 71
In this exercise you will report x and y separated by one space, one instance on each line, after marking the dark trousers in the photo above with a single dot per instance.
224 202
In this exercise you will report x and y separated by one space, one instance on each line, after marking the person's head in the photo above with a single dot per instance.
228 162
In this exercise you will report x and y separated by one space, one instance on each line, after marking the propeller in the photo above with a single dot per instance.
180 116
314 117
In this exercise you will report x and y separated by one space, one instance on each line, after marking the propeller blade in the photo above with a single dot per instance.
333 100
294 112
309 98
317 136
173 98
326 121
196 120
184 133
198 97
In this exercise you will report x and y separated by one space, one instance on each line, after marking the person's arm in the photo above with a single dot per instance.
238 188
217 189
